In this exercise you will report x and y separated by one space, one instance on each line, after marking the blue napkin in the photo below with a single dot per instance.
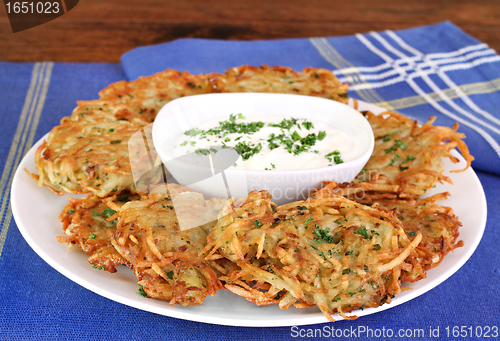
435 70
38 303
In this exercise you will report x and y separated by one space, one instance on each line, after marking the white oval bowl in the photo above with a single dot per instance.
189 112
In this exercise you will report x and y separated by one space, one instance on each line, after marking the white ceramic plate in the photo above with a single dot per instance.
36 211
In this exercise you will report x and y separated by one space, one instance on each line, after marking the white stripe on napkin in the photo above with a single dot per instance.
445 78
461 66
460 55
420 73
410 80
468 89
426 64
331 55
23 139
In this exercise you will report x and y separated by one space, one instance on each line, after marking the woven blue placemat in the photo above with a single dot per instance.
435 70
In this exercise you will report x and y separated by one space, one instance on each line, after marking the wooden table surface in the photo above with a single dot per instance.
102 30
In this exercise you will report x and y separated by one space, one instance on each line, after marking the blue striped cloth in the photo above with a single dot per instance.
435 70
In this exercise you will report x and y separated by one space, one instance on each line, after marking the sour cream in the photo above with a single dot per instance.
271 142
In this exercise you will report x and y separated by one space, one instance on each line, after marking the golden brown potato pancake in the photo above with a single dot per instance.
164 257
333 253
437 224
407 159
88 152
147 95
86 222
279 79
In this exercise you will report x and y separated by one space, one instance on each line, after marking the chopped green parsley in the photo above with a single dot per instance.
334 157
362 231
108 212
323 235
293 142
141 291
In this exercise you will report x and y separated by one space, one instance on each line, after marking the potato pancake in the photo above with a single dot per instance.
407 159
333 253
164 257
147 95
85 223
437 224
279 79
88 152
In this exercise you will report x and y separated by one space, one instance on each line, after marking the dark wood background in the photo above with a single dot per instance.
102 30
